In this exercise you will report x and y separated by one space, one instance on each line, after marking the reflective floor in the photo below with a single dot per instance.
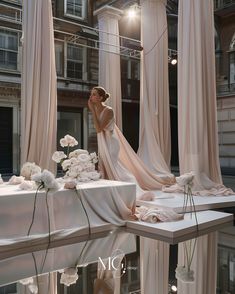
121 262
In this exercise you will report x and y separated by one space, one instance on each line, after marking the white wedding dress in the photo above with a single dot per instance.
118 161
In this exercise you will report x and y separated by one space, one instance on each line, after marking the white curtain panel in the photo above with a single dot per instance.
154 266
109 58
154 141
204 265
197 115
39 92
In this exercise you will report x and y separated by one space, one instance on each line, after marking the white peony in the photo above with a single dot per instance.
29 169
58 156
68 141
69 276
14 180
185 179
48 180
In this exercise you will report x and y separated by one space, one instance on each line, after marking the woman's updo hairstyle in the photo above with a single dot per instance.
102 92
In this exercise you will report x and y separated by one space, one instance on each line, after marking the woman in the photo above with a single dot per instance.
117 160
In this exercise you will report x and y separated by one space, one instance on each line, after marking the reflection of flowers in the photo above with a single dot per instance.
30 283
69 276
78 164
29 169
184 275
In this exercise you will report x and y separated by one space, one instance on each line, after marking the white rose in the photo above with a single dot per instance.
94 157
94 175
77 152
83 157
66 164
89 167
58 156
68 141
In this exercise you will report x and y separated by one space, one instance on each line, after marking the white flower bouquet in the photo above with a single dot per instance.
78 164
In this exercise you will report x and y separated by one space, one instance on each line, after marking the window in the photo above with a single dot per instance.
76 8
232 63
59 58
75 56
8 49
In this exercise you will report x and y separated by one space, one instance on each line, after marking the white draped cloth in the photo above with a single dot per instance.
109 57
154 141
197 115
39 91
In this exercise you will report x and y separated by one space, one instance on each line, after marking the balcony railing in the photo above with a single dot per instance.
226 89
222 4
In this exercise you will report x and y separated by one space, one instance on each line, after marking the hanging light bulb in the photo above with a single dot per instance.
132 11
174 288
173 61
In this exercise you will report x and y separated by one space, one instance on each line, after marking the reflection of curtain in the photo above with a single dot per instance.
154 143
109 58
39 98
204 266
154 266
197 121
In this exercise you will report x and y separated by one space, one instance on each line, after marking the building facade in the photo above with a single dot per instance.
77 53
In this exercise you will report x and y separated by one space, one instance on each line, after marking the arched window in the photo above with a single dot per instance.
232 63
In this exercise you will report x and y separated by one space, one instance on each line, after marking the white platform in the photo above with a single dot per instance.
178 231
176 200
67 216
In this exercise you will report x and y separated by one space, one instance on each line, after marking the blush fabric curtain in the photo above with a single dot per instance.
109 58
39 90
154 140
204 265
154 266
197 114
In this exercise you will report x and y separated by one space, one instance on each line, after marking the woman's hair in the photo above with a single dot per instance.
102 92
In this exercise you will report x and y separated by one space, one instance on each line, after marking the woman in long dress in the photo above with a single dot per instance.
117 160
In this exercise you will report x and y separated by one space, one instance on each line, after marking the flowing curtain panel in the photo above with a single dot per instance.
197 115
109 58
154 266
39 92
155 141
204 265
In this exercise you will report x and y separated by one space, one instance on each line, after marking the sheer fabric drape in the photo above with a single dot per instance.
39 92
197 115
109 58
154 141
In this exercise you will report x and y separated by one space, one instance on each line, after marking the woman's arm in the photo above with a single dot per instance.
107 116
